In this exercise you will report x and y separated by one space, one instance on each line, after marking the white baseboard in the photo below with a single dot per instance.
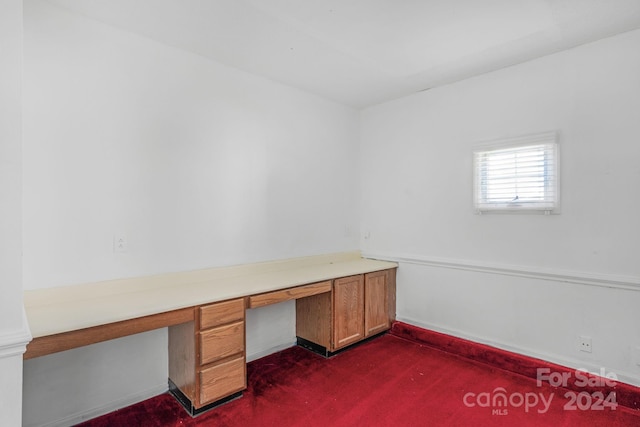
270 350
14 343
625 377
107 407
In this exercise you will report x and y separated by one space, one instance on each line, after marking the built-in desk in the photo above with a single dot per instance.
340 299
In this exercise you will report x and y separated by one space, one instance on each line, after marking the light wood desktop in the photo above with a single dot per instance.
340 299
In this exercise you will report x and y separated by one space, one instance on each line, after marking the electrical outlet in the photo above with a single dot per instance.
584 343
120 243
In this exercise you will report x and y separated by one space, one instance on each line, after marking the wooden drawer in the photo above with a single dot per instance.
289 294
222 380
221 313
221 342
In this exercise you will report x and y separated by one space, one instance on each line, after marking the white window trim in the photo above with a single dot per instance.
515 142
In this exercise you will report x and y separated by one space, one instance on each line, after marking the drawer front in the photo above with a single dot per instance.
221 313
221 342
222 380
289 294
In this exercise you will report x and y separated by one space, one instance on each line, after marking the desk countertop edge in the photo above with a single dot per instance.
63 311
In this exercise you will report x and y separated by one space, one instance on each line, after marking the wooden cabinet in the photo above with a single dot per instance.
207 359
359 307
348 311
376 303
207 356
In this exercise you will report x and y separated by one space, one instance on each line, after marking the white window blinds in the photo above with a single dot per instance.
517 174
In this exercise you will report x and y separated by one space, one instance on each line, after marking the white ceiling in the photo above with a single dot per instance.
363 52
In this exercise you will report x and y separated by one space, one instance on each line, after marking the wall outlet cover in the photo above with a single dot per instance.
584 343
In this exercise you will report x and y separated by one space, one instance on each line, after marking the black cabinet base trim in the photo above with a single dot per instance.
324 352
188 406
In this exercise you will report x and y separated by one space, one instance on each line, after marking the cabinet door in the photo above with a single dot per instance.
376 308
348 311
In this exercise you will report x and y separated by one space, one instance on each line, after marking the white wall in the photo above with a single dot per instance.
10 165
528 283
14 333
198 164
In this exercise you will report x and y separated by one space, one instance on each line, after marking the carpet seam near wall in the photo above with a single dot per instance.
627 395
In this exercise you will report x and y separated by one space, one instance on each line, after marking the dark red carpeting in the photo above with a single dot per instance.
389 381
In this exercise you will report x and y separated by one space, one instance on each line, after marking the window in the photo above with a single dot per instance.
518 174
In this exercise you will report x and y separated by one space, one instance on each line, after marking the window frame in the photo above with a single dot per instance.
551 175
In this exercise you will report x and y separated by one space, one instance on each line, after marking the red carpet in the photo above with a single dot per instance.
626 395
389 381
